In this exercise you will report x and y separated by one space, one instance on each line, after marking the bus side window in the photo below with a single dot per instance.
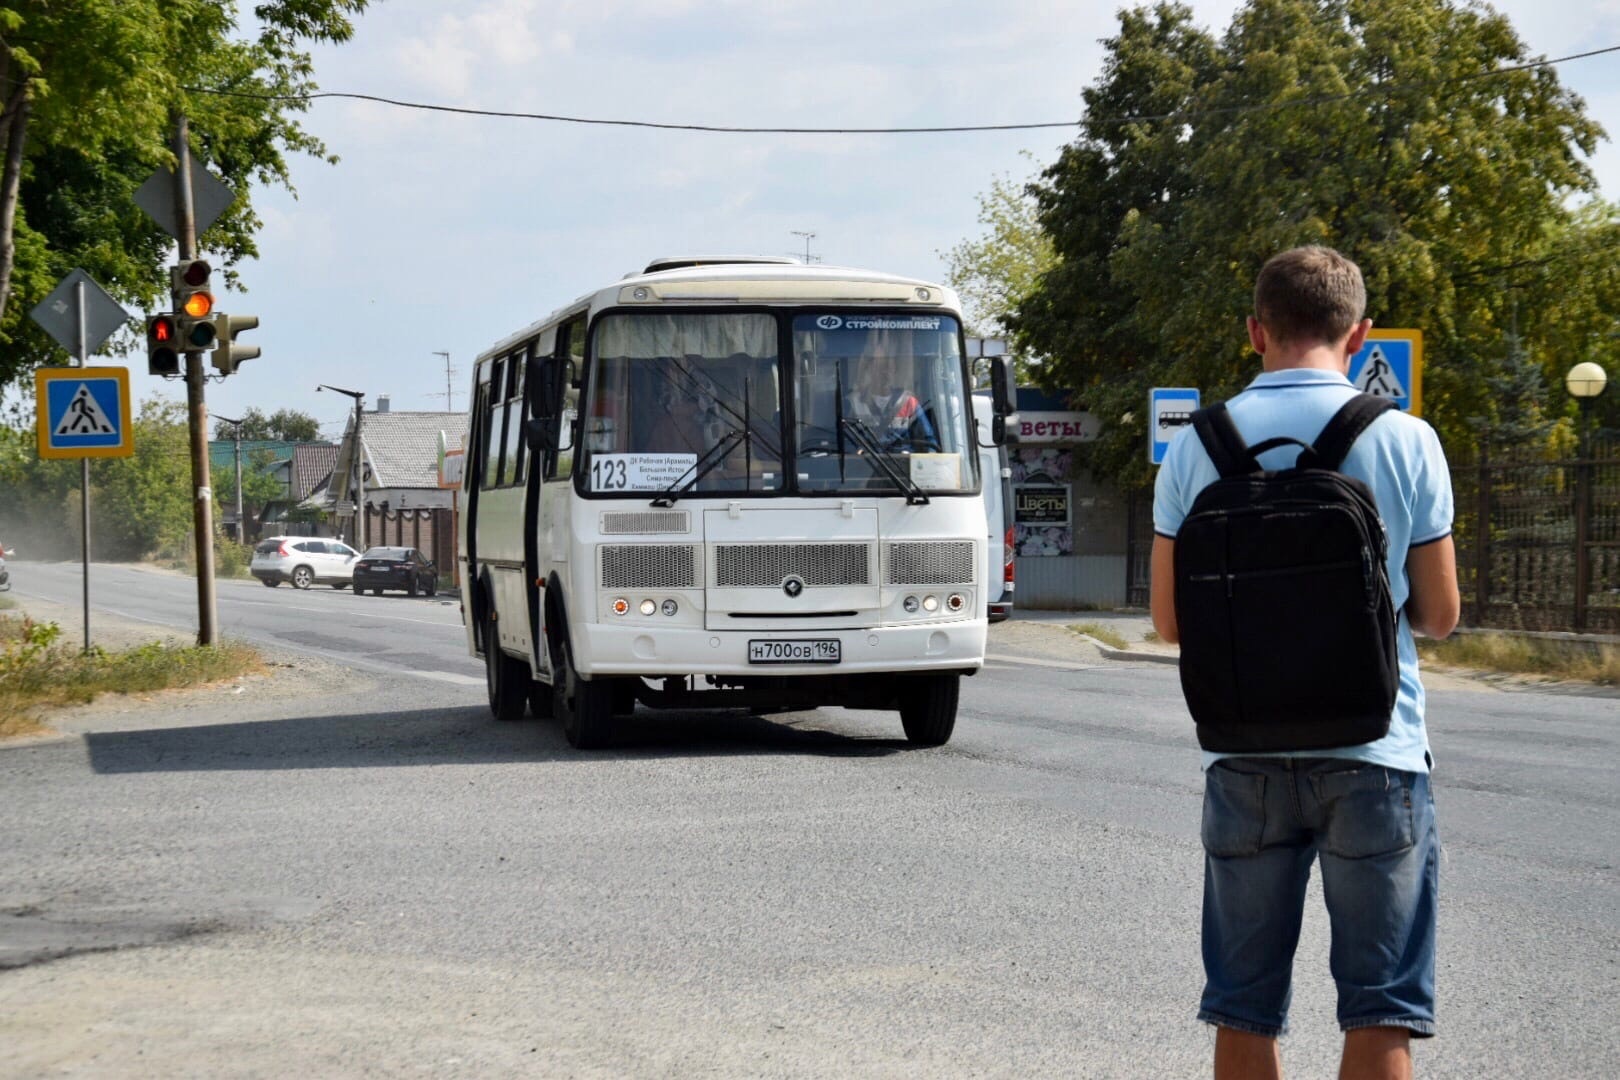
518 412
494 423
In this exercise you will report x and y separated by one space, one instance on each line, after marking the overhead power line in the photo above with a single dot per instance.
1180 114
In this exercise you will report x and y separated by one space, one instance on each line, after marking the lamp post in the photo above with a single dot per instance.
357 486
236 434
1585 382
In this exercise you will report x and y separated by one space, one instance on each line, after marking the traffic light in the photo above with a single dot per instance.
227 354
193 303
162 338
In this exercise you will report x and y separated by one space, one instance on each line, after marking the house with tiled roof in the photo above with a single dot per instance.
400 491
299 468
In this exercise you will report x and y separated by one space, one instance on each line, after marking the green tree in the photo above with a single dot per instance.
283 425
1394 130
260 485
88 92
141 504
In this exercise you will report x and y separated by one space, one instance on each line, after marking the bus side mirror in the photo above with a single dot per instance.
1003 391
537 431
1004 396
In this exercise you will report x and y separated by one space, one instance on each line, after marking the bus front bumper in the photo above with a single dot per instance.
628 650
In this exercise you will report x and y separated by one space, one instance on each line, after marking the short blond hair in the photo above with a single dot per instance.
1308 294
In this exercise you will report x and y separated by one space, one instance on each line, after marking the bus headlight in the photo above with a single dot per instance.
620 606
930 603
910 604
955 601
648 607
671 607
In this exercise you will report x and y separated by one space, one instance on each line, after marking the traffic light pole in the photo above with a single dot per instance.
197 409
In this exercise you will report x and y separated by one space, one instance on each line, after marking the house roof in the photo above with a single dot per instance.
402 449
222 453
312 463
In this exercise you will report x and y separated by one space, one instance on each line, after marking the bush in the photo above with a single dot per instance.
231 559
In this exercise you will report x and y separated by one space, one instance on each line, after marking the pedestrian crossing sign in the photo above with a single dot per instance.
1390 365
83 412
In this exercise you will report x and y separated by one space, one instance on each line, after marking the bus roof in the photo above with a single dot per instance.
761 279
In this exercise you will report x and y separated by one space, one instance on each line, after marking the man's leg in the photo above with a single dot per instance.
1257 862
1240 1055
1380 876
1377 1053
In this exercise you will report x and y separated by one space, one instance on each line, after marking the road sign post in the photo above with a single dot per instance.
1170 409
93 420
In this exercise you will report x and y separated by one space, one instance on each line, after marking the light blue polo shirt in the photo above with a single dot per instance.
1398 457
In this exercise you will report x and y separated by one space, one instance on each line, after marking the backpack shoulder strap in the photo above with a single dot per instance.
1222 441
1346 426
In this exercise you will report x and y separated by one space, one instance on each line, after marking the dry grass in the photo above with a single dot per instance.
37 671
1101 633
1553 658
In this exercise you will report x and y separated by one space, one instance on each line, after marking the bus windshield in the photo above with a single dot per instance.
684 401
879 397
691 403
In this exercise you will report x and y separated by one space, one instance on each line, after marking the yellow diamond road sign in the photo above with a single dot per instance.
83 412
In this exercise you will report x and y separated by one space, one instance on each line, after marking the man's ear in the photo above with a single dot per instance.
1257 336
1357 338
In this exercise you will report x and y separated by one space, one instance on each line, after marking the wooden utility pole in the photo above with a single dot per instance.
196 408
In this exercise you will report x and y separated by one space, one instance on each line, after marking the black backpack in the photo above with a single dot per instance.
1282 596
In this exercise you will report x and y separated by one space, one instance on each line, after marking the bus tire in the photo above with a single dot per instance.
507 679
585 705
928 709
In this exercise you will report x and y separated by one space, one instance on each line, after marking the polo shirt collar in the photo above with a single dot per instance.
1273 380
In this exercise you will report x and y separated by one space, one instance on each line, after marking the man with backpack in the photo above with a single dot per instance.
1303 533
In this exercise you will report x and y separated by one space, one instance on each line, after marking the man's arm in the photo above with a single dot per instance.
1434 603
1162 590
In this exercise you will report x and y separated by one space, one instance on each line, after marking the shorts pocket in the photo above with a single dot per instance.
1367 811
1234 812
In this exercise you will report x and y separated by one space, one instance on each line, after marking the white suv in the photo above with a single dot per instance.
303 560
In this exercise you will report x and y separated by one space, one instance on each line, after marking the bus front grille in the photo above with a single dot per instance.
649 566
622 522
768 565
940 562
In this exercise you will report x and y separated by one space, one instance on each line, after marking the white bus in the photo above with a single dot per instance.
729 482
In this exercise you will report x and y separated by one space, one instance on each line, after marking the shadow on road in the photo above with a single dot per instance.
459 737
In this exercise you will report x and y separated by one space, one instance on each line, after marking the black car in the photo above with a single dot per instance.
394 568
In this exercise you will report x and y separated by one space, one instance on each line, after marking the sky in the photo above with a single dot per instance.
440 233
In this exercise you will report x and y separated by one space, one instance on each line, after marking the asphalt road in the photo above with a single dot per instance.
347 868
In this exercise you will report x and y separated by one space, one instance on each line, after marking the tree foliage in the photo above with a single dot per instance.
88 96
1397 131
283 425
139 505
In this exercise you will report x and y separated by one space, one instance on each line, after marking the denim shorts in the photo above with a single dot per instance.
1265 821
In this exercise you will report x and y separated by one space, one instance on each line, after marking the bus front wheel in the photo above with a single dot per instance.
506 678
585 705
928 709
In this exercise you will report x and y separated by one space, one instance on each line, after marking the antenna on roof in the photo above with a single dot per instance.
449 374
808 236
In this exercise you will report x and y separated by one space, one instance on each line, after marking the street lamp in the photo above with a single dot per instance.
236 434
357 486
1585 382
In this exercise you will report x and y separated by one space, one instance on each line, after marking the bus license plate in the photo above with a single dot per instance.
815 651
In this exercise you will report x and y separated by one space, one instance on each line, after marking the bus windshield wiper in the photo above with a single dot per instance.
703 466
862 437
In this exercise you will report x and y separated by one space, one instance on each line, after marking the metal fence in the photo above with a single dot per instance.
1548 557
1538 542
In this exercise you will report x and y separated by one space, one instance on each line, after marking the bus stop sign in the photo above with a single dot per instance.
83 412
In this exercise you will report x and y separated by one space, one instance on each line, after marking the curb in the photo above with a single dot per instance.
1111 653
